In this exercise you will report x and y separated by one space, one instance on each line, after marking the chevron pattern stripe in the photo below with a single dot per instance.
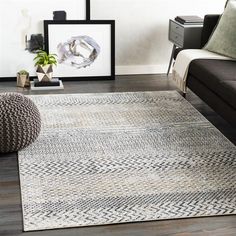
124 157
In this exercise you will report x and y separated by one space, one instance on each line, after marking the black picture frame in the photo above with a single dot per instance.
110 23
88 13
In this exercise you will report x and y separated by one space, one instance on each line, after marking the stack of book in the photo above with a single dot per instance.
55 83
189 20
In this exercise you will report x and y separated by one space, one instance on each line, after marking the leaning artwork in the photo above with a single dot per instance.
85 49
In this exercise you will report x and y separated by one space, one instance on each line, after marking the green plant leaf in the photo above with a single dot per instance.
43 58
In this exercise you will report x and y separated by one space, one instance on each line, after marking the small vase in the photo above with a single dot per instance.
44 73
22 81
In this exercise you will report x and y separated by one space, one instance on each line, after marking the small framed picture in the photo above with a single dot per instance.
85 49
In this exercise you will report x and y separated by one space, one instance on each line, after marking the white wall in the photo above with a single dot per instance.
142 44
19 18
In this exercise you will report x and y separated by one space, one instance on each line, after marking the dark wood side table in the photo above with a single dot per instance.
183 36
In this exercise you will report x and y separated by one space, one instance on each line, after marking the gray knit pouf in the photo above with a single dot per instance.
20 122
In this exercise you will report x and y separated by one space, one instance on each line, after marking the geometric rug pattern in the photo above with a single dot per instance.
113 158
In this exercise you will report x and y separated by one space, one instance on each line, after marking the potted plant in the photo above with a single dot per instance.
44 62
23 79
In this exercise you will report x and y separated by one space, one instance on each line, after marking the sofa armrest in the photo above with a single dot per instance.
209 24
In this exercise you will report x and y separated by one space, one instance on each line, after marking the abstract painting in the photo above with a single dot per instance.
84 49
79 51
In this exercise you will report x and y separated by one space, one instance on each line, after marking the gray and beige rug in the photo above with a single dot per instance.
124 157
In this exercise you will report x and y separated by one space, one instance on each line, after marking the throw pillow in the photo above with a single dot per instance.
223 39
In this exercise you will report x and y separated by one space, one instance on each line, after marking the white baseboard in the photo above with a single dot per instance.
141 69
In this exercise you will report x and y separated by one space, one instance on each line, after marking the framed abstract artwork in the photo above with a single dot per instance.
85 49
21 29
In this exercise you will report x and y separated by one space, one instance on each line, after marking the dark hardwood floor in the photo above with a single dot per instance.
10 204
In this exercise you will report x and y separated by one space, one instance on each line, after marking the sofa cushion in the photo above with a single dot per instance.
210 22
223 40
218 75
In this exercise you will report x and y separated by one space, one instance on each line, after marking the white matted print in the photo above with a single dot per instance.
85 49
19 19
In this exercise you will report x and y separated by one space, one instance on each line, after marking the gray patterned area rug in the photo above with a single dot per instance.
124 157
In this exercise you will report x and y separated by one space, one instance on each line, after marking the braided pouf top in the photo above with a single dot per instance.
20 122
